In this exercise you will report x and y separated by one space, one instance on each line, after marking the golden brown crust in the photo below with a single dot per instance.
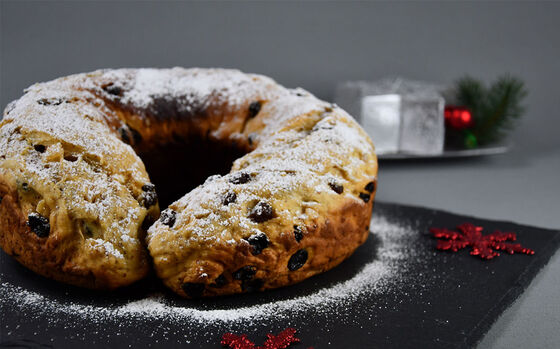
52 257
308 164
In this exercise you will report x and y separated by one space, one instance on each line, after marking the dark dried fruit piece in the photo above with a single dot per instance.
240 178
113 89
124 134
148 199
40 148
252 285
1 199
39 224
229 198
136 136
25 186
254 109
370 187
297 260
168 217
365 197
259 242
220 281
50 101
70 157
245 273
193 289
298 233
261 212
338 188
149 187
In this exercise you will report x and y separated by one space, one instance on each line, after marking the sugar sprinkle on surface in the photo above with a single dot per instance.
376 277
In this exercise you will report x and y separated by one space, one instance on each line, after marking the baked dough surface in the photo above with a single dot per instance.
77 204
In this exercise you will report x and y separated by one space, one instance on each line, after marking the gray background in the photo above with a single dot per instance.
316 44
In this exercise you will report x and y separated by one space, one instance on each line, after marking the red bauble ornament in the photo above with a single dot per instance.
459 118
283 340
484 246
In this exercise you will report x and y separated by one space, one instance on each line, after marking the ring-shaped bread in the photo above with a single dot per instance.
77 204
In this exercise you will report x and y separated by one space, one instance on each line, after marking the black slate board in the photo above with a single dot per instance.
456 302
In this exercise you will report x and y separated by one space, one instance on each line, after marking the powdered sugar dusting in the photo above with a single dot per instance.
190 86
106 247
384 270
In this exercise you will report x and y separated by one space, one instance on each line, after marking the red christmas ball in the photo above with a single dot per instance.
459 118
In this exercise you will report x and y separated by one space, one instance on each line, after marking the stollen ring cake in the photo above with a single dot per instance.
88 160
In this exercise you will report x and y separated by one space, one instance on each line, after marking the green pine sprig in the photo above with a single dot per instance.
494 109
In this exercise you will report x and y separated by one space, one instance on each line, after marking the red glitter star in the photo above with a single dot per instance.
283 340
484 246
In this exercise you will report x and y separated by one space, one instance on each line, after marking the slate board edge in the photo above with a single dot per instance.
542 258
467 216
523 282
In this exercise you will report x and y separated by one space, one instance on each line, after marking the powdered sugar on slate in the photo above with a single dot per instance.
382 272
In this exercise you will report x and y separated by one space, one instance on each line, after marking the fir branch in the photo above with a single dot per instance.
471 93
503 107
494 110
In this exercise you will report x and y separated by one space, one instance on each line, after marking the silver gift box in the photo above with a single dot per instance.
401 116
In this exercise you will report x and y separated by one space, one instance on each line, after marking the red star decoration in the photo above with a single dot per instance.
484 246
283 340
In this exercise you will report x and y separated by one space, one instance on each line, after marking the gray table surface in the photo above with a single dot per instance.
317 44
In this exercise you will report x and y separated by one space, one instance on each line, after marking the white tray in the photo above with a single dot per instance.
481 151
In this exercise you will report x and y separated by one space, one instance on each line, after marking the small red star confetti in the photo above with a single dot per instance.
484 246
283 340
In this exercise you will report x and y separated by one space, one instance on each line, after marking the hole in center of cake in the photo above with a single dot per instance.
177 168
